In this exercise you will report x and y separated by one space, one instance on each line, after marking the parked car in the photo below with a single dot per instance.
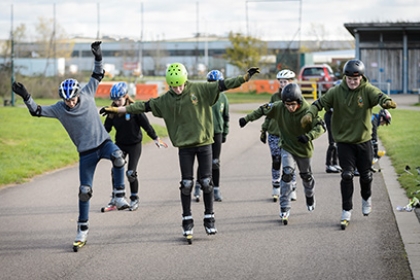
321 74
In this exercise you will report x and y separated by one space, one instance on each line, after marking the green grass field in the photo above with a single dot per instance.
29 146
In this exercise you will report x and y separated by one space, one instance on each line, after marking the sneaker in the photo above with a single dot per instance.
82 232
366 206
284 216
331 169
134 204
217 195
209 224
187 225
121 203
197 189
310 203
275 193
338 167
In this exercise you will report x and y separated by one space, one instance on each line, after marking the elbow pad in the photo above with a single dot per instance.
37 112
222 86
147 106
98 76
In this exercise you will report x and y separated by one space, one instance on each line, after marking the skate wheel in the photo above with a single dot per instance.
103 209
285 222
75 249
197 199
275 198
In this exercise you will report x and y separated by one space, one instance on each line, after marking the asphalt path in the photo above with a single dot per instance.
38 224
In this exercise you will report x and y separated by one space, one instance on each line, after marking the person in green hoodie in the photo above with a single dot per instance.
351 128
284 77
295 141
220 112
187 111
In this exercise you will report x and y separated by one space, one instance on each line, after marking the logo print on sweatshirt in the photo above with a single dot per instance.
194 99
360 101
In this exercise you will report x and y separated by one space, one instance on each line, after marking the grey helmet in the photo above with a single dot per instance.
291 92
354 68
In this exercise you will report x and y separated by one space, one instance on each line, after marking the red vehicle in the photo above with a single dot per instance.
321 74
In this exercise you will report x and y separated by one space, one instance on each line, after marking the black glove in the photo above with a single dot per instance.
20 90
224 137
303 139
263 136
242 122
108 110
251 71
96 50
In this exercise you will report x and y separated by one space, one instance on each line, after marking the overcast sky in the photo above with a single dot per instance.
172 19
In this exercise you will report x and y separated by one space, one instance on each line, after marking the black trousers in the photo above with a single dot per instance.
354 156
186 162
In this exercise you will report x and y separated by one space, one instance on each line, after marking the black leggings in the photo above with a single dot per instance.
186 163
134 153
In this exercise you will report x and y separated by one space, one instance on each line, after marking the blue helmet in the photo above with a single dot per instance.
214 75
118 90
69 89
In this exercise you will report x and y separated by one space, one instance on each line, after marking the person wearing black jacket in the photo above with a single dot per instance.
128 138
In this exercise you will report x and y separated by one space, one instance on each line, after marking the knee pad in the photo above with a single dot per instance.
347 175
215 164
186 187
131 175
276 162
288 173
366 178
307 177
85 193
117 159
206 185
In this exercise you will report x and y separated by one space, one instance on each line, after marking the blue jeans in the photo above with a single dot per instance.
87 165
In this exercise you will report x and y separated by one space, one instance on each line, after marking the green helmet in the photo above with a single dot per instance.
176 75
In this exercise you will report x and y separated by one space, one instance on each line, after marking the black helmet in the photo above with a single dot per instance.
291 92
385 115
354 68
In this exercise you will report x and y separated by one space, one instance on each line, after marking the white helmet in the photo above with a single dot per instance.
286 74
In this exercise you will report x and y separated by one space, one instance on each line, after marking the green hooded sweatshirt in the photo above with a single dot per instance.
221 115
351 120
290 127
188 116
269 124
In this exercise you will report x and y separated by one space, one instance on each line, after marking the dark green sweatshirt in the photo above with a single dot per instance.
351 121
290 127
188 116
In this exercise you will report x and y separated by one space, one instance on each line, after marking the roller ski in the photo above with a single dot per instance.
276 193
187 228
116 203
284 216
366 206
345 219
217 194
81 237
209 224
134 203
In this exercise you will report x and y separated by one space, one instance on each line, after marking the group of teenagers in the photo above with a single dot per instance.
197 120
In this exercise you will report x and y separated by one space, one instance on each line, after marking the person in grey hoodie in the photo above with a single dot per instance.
78 114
